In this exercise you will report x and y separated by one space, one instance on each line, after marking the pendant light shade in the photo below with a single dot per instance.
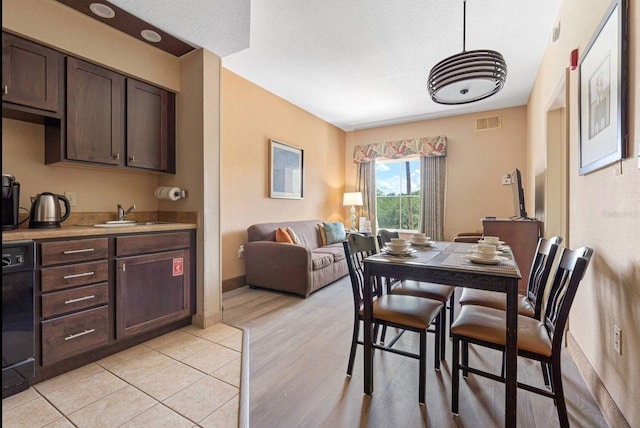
468 76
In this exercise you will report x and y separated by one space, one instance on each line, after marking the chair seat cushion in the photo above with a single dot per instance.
424 289
416 312
488 324
496 300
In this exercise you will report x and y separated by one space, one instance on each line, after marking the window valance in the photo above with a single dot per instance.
423 146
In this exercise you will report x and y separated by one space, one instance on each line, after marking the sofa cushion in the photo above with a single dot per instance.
336 250
334 232
293 236
320 260
323 235
283 236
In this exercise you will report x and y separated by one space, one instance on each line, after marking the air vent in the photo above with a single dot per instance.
488 122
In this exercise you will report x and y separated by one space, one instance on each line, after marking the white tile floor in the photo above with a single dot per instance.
189 377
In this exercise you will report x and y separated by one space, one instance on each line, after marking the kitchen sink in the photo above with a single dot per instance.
118 223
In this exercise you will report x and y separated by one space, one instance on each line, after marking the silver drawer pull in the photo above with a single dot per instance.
73 336
80 299
79 275
84 250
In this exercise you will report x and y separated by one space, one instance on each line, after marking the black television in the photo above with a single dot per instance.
518 195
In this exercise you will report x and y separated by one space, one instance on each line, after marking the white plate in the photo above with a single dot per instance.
482 241
404 252
504 248
423 244
120 221
483 261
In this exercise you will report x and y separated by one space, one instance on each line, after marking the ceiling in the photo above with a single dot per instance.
359 64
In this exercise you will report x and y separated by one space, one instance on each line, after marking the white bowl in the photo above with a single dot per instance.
487 256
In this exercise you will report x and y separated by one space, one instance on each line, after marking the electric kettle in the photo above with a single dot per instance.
45 211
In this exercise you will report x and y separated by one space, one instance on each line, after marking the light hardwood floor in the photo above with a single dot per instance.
297 372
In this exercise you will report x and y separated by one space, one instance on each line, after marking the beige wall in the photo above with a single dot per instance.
250 117
604 214
476 162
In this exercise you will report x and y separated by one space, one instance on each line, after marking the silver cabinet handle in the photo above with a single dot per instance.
132 158
78 275
116 156
73 336
5 90
80 299
84 250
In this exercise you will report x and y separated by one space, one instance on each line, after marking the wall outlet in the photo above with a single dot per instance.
71 196
617 339
506 179
241 251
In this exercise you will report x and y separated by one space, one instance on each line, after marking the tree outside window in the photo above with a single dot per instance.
398 194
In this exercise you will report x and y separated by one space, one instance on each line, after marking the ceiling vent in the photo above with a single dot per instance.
488 122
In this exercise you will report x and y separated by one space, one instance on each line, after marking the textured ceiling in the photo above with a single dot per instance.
356 63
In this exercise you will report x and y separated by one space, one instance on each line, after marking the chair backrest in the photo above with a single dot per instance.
569 273
386 235
356 249
540 271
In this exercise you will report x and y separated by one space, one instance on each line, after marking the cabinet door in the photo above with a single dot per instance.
151 291
95 113
150 127
29 73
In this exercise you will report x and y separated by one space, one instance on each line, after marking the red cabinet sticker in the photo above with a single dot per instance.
178 266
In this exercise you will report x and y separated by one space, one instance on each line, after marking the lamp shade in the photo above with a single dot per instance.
352 199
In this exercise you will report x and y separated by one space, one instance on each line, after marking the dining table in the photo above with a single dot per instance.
448 263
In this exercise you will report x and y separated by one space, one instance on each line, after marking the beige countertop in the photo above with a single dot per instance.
78 230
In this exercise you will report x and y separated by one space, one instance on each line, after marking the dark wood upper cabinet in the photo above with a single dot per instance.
30 74
150 127
95 113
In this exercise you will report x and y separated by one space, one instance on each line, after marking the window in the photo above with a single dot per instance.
398 194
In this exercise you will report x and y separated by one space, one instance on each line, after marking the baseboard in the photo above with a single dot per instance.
233 283
608 407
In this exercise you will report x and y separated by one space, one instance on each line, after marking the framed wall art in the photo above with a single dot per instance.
603 92
287 164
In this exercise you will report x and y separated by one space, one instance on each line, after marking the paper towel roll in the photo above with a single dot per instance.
165 192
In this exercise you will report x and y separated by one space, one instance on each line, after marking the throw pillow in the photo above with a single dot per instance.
293 236
334 232
323 237
283 236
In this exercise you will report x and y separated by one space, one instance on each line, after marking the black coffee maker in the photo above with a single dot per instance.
10 202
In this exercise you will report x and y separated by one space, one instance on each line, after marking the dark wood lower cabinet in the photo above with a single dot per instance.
151 290
141 285
73 334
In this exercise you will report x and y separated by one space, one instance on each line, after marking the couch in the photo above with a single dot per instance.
299 269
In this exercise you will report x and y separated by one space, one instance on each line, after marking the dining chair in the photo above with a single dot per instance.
539 340
400 311
442 293
529 304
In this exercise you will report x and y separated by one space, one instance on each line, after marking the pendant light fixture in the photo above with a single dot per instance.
468 76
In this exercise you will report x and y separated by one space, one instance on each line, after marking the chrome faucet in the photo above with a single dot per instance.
122 214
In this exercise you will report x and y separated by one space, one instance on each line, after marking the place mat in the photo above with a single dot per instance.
456 259
416 257
460 247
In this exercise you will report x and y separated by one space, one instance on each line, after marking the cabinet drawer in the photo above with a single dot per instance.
63 302
139 244
74 334
59 278
79 250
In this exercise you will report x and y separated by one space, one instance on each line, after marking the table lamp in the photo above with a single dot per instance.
355 200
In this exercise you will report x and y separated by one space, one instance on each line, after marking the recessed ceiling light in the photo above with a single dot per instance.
150 36
102 10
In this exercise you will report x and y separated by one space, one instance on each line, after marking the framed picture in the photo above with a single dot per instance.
286 171
603 92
